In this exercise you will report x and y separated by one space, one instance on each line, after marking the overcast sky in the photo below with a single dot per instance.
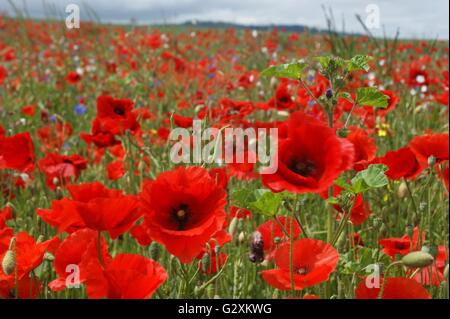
414 18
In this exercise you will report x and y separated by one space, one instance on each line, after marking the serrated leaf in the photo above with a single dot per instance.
267 203
370 96
359 62
288 70
372 177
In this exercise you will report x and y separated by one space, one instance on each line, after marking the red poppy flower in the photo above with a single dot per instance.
271 231
5 214
104 209
77 249
360 210
403 245
127 276
184 209
310 159
395 288
27 288
17 152
29 110
73 77
216 259
61 168
430 145
364 146
240 213
401 163
313 262
283 98
29 254
93 206
115 170
3 74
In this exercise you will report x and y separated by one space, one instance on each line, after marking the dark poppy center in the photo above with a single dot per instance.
303 270
119 111
304 168
180 216
285 99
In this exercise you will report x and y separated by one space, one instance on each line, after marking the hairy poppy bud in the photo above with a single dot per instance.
155 251
205 262
417 259
342 132
402 190
256 248
9 262
431 160
233 226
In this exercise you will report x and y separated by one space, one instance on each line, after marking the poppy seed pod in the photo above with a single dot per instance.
417 259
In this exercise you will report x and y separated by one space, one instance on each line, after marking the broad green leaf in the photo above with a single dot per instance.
358 62
329 61
289 70
372 177
267 203
370 96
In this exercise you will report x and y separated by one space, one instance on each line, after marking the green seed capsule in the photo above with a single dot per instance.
9 262
417 259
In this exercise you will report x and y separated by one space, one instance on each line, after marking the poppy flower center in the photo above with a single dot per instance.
119 111
285 99
304 168
301 270
181 216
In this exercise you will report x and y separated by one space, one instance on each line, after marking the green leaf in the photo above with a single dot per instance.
267 203
342 183
370 96
372 177
358 62
289 70
330 61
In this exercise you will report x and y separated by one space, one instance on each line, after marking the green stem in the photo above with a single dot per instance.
380 295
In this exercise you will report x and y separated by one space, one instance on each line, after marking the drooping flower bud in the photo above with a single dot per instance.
417 259
9 260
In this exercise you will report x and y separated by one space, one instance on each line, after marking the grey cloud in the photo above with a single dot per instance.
414 18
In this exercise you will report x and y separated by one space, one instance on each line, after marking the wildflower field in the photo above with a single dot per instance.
93 205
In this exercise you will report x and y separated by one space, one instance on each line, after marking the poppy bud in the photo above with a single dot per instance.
233 226
217 249
241 237
417 259
155 251
431 160
402 190
256 248
446 271
342 132
9 260
329 93
205 262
